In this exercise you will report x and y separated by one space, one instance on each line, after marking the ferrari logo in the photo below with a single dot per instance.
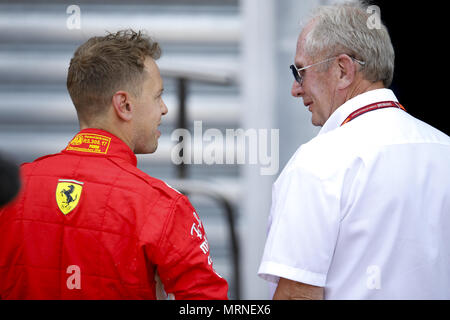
68 194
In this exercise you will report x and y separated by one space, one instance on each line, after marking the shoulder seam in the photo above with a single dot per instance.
138 176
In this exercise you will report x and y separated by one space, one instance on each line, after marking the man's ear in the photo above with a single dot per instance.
347 71
122 105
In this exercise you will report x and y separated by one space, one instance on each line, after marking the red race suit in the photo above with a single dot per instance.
88 224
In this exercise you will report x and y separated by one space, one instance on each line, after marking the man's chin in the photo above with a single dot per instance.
146 150
315 122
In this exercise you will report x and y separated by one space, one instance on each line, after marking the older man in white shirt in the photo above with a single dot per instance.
362 211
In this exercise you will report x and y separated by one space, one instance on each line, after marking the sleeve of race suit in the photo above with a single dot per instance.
183 257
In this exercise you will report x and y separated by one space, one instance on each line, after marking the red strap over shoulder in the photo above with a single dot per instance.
371 107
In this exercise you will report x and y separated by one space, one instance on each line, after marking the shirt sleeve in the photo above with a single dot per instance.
183 261
303 228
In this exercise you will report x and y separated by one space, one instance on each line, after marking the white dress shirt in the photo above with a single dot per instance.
363 209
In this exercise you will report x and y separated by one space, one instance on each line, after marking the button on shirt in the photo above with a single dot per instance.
363 209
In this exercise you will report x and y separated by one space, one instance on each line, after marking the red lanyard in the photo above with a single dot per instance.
371 107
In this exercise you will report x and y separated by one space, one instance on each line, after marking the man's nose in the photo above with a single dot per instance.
297 89
164 109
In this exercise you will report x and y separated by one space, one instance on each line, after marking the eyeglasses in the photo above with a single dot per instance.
299 78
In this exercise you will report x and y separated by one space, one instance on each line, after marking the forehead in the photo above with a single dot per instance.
301 58
153 74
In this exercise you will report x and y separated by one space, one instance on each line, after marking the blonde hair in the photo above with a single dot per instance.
103 65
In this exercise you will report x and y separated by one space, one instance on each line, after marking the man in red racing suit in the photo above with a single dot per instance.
88 224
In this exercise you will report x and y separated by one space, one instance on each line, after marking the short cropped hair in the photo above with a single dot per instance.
343 28
103 65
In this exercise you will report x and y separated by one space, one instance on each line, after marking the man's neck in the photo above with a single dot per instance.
362 87
113 129
359 88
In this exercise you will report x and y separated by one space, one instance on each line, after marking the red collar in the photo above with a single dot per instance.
97 142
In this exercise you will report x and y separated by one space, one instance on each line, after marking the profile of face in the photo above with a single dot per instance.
317 85
148 111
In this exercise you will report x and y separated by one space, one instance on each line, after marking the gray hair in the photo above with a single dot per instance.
343 28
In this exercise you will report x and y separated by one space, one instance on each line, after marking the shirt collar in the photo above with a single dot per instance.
364 99
97 142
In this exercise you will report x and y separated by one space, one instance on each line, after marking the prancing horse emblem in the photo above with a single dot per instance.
68 194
